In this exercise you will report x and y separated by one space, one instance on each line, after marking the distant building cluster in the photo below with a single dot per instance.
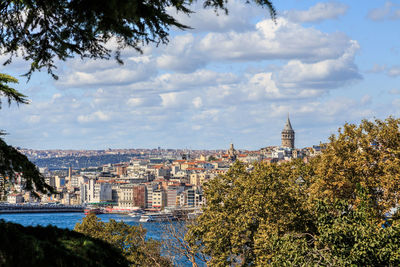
156 180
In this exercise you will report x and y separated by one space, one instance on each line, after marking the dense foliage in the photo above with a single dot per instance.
51 246
130 240
12 161
332 211
10 93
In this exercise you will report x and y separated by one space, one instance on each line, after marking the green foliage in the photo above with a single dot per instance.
130 240
343 237
12 161
10 93
51 246
47 30
242 202
367 155
328 212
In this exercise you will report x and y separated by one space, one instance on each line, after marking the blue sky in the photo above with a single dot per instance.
232 79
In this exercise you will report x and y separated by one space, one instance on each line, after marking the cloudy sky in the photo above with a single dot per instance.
231 79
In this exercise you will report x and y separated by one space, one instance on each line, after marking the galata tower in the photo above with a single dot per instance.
288 135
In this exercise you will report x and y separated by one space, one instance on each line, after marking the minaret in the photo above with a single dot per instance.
288 135
232 152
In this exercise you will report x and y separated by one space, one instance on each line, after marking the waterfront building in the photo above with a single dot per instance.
159 198
173 192
125 196
149 196
139 196
102 192
96 191
15 198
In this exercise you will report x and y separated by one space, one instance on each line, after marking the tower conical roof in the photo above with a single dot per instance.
288 126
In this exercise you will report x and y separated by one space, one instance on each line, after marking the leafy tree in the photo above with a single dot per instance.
242 201
11 94
51 246
12 161
130 240
367 155
343 236
43 31
330 212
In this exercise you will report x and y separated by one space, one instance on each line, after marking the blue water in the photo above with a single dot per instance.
68 220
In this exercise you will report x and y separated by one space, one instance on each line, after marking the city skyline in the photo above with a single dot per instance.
232 79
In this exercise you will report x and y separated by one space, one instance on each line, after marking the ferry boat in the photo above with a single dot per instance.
92 210
157 217
136 214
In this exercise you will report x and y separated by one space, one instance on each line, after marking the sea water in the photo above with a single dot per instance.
68 220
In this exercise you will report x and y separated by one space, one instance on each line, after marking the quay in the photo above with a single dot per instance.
37 208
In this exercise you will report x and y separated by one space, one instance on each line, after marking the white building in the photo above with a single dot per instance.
93 192
15 198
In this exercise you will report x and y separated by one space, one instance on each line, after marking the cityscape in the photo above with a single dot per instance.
199 133
153 179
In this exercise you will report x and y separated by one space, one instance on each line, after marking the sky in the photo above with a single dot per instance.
232 79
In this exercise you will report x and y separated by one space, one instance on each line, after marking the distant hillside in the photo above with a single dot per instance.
82 161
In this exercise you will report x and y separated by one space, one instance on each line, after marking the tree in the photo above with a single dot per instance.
343 236
11 94
130 240
51 246
242 202
12 161
367 155
331 211
179 249
43 31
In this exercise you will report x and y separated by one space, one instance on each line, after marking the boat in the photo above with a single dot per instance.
136 214
157 217
92 210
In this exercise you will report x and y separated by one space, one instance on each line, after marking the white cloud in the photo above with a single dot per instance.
206 20
389 11
135 101
199 78
197 102
326 74
394 71
172 100
90 75
179 56
33 119
318 13
377 68
93 117
268 41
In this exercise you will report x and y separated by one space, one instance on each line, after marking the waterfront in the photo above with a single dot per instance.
69 219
